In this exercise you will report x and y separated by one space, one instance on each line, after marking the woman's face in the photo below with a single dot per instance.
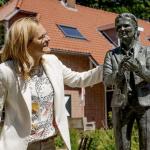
39 43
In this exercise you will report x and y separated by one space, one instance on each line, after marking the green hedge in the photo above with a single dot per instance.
74 137
102 139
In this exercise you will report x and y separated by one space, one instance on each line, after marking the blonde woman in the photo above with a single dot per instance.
32 89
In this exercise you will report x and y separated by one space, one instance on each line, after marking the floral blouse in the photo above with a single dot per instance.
42 95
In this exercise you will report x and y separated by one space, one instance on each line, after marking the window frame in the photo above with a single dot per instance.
81 37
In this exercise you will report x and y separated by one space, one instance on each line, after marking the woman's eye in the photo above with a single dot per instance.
41 37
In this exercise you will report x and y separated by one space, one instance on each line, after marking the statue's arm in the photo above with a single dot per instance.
144 70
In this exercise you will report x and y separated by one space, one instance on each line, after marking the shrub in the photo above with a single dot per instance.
135 139
59 142
74 137
102 139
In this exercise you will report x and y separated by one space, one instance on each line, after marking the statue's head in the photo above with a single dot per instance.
126 26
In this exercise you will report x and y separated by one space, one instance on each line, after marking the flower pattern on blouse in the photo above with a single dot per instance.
42 95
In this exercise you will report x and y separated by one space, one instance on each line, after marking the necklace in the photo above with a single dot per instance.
38 70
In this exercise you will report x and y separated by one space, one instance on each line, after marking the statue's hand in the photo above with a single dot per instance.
120 74
132 65
122 68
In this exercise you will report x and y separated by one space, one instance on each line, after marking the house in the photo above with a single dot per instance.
80 37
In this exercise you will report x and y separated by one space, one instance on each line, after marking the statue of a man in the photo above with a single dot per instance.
127 67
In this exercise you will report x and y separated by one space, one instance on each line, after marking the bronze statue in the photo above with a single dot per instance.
127 67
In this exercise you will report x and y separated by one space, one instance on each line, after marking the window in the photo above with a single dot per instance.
71 32
68 104
2 35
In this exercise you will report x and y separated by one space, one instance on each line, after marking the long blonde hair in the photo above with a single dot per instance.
16 43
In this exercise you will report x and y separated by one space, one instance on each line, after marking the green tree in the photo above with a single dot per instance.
89 3
2 2
2 34
140 8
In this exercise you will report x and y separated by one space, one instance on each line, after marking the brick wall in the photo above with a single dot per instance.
77 106
95 104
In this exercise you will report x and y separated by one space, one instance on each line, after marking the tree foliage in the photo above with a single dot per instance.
2 28
140 8
2 2
2 34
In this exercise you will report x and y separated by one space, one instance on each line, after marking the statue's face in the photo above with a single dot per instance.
125 28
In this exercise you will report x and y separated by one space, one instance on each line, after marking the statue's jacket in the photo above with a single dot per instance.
142 77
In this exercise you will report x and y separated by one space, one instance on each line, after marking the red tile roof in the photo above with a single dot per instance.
87 20
7 9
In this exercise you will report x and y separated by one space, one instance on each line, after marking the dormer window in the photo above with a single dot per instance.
69 4
109 32
111 36
71 32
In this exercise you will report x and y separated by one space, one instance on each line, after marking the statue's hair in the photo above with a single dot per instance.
127 16
20 34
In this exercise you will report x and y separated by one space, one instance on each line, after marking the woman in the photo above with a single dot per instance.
32 89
